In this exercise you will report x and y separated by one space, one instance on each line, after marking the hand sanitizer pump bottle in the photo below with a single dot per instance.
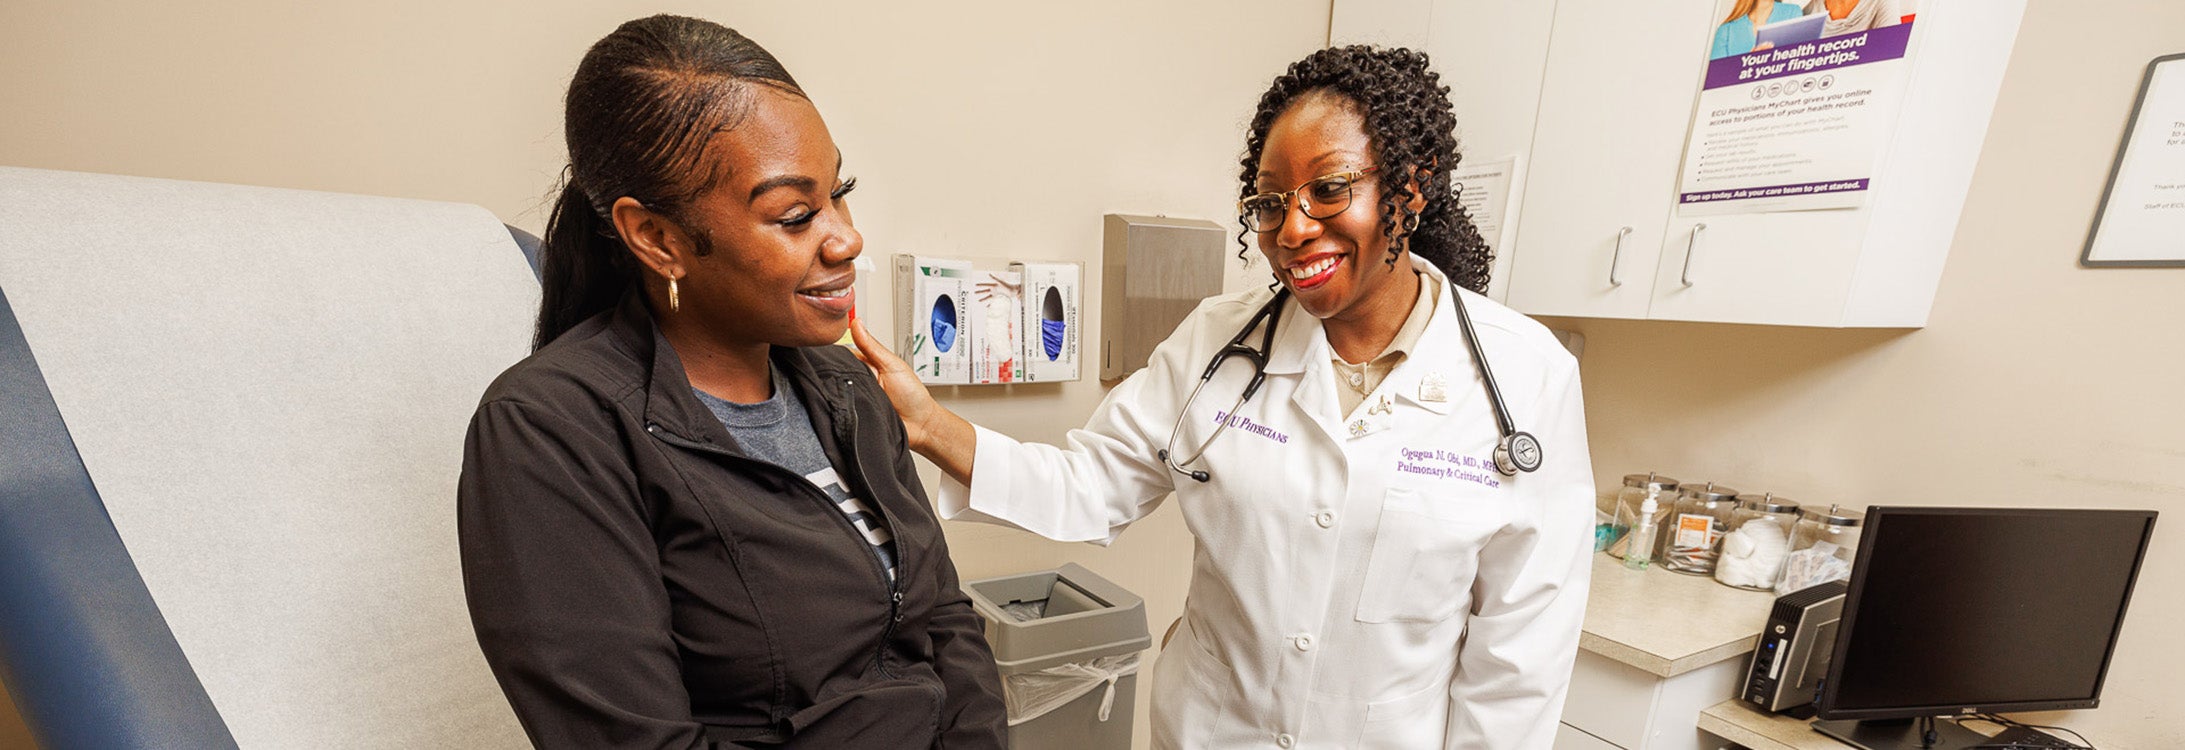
1641 550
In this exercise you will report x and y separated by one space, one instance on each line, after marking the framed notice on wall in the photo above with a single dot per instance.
2141 219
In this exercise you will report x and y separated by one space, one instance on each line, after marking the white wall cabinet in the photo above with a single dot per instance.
1606 148
1568 737
1598 232
1628 708
1494 77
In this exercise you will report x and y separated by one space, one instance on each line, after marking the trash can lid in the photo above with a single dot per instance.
1088 617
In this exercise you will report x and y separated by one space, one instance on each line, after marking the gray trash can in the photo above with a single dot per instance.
1067 643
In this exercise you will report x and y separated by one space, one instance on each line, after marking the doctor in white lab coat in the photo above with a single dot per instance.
1364 576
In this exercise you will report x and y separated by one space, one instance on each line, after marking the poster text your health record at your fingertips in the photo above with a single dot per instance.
1795 110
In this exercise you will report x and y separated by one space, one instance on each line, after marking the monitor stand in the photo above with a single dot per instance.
1899 734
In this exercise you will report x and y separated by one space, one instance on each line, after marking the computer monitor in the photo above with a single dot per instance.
1954 611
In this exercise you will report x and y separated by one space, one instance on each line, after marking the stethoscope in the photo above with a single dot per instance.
1515 451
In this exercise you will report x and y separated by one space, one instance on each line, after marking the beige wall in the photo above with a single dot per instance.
980 129
2035 382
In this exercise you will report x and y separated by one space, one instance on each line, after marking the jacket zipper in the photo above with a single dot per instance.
895 594
895 585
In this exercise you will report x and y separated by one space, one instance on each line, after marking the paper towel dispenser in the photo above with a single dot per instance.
1155 271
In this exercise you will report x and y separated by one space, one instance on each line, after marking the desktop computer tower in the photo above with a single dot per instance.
1794 648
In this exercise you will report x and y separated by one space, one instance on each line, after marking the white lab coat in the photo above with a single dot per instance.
1370 583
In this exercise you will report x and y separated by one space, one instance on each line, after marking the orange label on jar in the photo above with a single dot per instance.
1695 532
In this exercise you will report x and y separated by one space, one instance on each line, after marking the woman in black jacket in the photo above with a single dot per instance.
687 520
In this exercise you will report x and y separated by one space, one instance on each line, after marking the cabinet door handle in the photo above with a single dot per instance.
1690 249
1617 256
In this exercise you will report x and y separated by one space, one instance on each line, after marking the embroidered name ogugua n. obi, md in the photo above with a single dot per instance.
1442 464
1246 424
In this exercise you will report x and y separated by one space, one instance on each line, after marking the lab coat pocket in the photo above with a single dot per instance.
1415 720
1191 682
1423 559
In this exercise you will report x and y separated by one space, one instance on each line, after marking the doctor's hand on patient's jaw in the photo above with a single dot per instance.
934 431
911 399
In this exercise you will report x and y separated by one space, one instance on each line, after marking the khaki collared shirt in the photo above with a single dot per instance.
1356 381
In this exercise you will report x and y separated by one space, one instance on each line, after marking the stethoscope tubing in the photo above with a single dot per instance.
1515 450
1503 425
1272 314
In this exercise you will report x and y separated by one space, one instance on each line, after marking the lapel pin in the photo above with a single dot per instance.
1434 388
1381 407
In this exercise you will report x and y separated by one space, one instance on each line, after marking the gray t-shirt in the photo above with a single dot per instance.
778 431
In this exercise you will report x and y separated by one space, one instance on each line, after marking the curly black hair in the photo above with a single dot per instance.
1413 131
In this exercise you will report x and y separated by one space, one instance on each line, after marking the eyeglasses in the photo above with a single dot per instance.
1320 197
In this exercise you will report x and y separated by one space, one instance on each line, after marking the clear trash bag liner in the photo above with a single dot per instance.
1031 695
1025 611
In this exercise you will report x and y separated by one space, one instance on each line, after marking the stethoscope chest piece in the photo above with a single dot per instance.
1518 451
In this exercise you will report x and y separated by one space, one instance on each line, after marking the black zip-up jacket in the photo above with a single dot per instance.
636 581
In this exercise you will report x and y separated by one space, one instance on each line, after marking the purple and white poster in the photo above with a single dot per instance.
1797 103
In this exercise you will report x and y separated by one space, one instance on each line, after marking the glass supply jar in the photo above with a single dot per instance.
1757 542
1637 488
1693 534
1822 545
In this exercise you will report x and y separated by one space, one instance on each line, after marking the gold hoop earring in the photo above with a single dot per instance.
675 301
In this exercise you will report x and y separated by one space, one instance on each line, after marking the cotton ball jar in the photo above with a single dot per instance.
1757 542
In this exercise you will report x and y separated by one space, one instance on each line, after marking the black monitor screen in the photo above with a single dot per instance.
1950 609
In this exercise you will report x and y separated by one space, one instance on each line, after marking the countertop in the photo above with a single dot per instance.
1669 623
1739 722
